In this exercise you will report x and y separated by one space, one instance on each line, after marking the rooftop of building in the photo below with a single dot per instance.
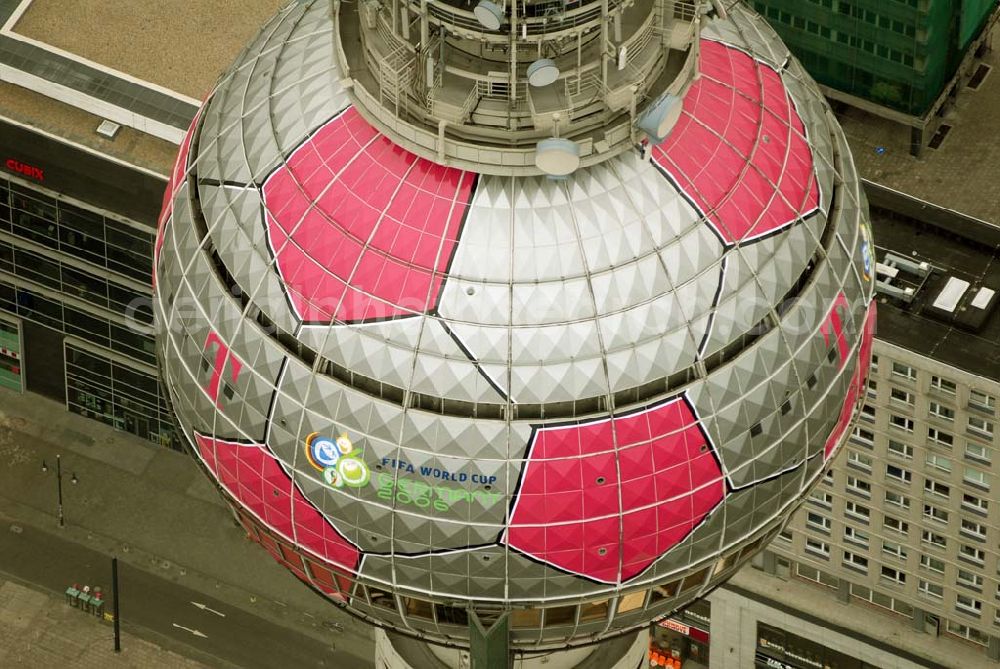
143 44
67 122
182 51
971 340
844 621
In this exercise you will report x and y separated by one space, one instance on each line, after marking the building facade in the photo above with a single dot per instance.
899 54
908 521
76 239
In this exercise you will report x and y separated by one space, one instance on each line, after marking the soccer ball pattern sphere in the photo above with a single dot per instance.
585 400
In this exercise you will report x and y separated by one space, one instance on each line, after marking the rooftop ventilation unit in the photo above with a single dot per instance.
899 277
966 305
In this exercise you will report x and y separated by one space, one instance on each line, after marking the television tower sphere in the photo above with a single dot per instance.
551 308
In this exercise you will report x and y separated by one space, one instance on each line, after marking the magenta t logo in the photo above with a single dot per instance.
834 322
222 354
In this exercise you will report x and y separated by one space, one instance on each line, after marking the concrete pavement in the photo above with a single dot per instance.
40 630
190 622
152 508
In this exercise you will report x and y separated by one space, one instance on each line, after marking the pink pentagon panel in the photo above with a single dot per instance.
362 229
176 175
260 484
858 382
605 499
739 150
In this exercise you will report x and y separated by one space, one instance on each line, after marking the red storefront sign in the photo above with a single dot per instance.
686 630
30 171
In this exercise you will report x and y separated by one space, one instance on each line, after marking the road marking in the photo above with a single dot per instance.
188 629
205 607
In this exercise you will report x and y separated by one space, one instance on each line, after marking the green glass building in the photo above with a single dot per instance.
900 54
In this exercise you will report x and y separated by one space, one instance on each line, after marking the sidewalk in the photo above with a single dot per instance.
959 175
39 630
153 509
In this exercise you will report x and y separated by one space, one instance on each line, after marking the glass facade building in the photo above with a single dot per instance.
75 291
896 53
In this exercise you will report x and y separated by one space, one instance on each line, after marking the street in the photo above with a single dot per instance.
189 622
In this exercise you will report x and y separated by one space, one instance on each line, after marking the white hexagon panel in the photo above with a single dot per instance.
425 389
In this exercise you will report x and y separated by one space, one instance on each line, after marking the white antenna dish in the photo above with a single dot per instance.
542 72
489 14
557 156
661 117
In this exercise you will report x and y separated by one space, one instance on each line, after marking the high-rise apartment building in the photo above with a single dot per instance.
908 520
900 55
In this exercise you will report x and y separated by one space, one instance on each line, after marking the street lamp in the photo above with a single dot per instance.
73 479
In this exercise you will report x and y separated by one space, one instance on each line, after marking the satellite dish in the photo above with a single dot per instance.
489 14
557 156
542 72
661 117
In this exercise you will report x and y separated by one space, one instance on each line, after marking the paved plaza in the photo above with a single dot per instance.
39 629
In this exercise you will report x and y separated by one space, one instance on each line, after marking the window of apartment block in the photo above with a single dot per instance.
863 437
897 551
901 422
897 525
868 413
932 589
817 575
969 605
894 575
939 462
973 529
905 371
976 477
785 535
981 427
874 365
937 488
815 521
898 474
900 396
935 513
971 554
858 511
978 452
900 449
828 477
819 548
938 410
872 389
897 499
821 498
966 632
940 437
943 384
859 486
859 460
973 503
932 563
933 539
982 401
856 561
969 579
856 536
